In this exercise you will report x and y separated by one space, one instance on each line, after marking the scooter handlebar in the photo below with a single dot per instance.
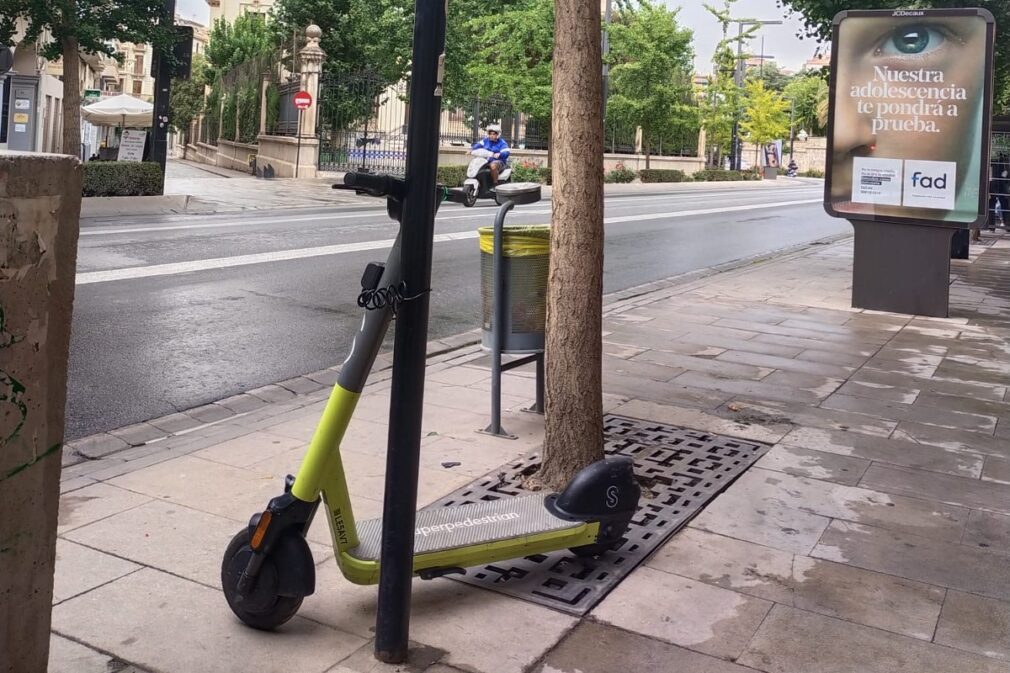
374 184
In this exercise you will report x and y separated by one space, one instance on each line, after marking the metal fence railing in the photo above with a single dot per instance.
363 124
999 180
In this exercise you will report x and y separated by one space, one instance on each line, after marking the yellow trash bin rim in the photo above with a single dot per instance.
518 240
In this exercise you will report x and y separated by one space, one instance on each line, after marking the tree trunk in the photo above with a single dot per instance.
648 151
71 97
574 393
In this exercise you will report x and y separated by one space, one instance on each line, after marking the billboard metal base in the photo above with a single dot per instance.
901 268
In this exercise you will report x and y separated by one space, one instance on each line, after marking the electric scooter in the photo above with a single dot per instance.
478 184
268 569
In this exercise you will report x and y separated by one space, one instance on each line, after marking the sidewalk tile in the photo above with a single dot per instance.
801 462
945 488
715 367
640 368
945 564
851 348
970 373
883 450
698 616
697 420
168 537
751 389
831 358
978 391
138 433
92 503
596 648
249 449
996 469
805 415
846 338
98 446
420 659
988 530
916 414
821 386
832 589
964 404
951 438
242 403
670 393
80 569
449 616
66 656
785 364
204 634
796 641
879 391
459 376
176 422
975 624
762 488
226 491
697 340
210 413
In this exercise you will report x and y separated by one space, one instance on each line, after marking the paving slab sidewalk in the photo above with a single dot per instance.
874 535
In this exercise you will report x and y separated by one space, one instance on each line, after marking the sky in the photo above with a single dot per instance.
780 41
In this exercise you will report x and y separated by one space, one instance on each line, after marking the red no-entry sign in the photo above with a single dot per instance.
303 100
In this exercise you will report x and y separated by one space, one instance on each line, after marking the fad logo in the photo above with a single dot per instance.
927 182
930 184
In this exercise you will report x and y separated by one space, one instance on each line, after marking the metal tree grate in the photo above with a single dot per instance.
680 471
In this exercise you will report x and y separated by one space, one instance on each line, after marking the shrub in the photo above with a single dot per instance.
663 175
620 174
526 171
812 173
451 176
720 175
121 178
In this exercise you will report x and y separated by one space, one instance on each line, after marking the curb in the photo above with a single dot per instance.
141 444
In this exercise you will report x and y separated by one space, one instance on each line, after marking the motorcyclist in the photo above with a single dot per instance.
792 169
494 143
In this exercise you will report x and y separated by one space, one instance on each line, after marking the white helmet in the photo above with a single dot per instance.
494 127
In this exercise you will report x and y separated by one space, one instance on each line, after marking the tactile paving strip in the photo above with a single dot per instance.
683 469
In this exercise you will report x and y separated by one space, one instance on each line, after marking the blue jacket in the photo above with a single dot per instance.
499 146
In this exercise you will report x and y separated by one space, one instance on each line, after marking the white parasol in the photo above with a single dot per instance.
122 110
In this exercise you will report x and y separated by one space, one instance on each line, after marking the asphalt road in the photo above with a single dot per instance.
177 311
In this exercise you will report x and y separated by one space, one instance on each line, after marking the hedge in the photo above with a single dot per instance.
453 176
619 175
720 175
812 173
122 178
663 175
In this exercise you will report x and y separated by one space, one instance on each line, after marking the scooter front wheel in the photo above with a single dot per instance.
470 199
261 608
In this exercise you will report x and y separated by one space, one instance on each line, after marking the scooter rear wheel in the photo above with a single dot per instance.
262 608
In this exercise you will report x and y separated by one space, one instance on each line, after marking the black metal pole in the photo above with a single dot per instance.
162 97
392 623
498 318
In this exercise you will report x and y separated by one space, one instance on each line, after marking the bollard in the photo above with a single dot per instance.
40 200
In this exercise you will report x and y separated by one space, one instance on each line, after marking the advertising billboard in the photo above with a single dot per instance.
909 116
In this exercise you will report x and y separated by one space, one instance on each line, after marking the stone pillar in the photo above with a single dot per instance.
40 201
702 138
263 103
311 58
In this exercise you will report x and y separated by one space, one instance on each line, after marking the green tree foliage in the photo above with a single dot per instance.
766 114
89 27
769 73
187 99
721 97
373 36
817 15
650 57
806 92
232 44
511 55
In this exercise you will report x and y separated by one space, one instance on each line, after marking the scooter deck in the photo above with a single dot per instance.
444 528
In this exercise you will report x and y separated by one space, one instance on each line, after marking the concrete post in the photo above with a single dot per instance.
40 201
263 103
311 58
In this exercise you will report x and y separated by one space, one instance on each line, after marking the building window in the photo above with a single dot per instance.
138 64
122 85
138 87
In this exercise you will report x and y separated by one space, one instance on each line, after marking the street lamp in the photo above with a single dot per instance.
738 76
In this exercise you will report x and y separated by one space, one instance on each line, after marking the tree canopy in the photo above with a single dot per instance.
650 57
806 92
766 114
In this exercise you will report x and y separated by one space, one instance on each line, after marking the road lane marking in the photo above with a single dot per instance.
174 268
621 202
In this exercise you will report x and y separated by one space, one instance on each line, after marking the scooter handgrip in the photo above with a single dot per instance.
377 184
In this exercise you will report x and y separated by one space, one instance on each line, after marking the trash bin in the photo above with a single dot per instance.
525 256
